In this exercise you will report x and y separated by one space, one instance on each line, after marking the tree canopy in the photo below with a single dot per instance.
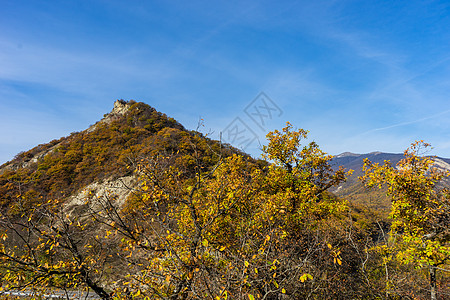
420 209
202 221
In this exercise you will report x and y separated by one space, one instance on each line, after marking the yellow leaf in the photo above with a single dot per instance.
246 263
250 296
283 291
305 276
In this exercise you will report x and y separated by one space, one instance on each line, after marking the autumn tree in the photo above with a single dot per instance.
420 210
200 223
234 229
46 248
176 228
307 221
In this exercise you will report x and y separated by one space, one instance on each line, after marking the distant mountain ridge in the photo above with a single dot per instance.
375 199
355 161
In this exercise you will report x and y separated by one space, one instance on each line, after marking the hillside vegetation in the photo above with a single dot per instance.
202 220
107 149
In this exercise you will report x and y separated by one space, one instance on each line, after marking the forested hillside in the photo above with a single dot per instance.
196 219
106 150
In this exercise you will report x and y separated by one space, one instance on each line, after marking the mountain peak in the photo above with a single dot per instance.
377 153
120 107
346 154
102 152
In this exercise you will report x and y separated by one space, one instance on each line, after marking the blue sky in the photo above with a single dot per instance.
361 76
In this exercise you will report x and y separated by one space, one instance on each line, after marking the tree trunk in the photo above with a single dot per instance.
96 288
433 295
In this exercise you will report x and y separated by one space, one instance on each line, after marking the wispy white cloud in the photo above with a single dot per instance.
408 123
328 73
74 70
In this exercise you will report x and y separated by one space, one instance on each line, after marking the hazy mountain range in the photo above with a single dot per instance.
375 199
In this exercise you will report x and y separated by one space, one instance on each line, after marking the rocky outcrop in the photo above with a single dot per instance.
120 108
114 190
